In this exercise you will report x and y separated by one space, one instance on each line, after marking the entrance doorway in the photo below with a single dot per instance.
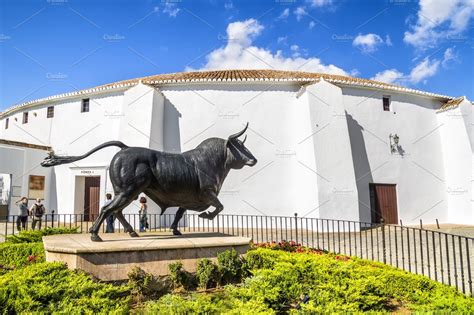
383 203
91 198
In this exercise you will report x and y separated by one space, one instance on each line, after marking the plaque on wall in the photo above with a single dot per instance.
36 187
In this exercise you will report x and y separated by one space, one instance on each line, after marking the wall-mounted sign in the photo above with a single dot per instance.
87 172
36 187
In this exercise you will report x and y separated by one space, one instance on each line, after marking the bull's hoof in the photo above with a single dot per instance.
205 215
95 238
176 232
133 234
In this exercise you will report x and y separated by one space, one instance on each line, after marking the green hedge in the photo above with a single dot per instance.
31 236
20 255
52 288
315 282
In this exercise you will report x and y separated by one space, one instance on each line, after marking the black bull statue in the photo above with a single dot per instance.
190 180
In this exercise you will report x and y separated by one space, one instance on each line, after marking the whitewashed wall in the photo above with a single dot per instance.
279 184
332 150
457 154
21 163
419 173
318 147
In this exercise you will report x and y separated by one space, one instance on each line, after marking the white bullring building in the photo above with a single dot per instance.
328 146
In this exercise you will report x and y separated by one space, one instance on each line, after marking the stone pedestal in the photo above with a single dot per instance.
113 258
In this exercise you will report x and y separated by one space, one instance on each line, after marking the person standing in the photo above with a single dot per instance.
23 215
143 214
111 218
37 211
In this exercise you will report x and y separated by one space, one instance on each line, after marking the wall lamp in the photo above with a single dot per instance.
394 140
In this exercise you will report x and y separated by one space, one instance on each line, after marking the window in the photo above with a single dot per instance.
25 117
50 112
386 103
7 122
85 105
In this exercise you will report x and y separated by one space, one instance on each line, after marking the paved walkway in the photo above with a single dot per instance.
463 230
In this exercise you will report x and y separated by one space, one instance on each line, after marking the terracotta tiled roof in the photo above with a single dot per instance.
452 103
250 75
228 76
25 145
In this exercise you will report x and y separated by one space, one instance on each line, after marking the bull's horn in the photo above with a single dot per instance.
238 134
244 139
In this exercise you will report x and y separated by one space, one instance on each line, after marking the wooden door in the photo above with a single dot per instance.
383 203
91 198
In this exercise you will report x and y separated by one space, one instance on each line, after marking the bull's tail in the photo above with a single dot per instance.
53 159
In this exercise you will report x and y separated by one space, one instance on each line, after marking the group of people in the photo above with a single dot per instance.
36 212
142 212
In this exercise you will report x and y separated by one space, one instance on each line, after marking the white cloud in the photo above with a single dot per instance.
437 20
420 73
171 9
295 51
425 69
311 25
284 14
389 76
388 40
450 57
240 53
229 5
282 39
320 3
368 42
241 34
300 12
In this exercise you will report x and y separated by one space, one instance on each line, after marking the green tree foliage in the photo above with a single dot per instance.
314 282
20 255
207 273
144 285
31 236
230 266
180 277
52 288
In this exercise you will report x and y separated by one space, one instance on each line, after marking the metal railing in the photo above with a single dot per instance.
443 257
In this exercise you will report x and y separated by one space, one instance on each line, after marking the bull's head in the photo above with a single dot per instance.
238 152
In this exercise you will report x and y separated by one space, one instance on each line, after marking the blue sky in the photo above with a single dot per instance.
53 46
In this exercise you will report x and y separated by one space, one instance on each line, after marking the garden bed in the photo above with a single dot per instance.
273 278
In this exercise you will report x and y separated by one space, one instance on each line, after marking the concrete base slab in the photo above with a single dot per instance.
113 258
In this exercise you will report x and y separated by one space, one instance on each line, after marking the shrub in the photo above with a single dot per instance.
338 284
179 277
51 287
217 303
37 235
20 255
229 266
145 285
207 273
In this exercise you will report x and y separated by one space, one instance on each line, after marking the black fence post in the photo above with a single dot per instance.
384 249
296 227
52 218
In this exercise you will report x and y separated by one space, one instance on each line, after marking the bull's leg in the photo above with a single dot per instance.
117 204
178 216
211 195
126 226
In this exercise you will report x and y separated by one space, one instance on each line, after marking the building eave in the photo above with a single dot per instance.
25 145
67 96
225 77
